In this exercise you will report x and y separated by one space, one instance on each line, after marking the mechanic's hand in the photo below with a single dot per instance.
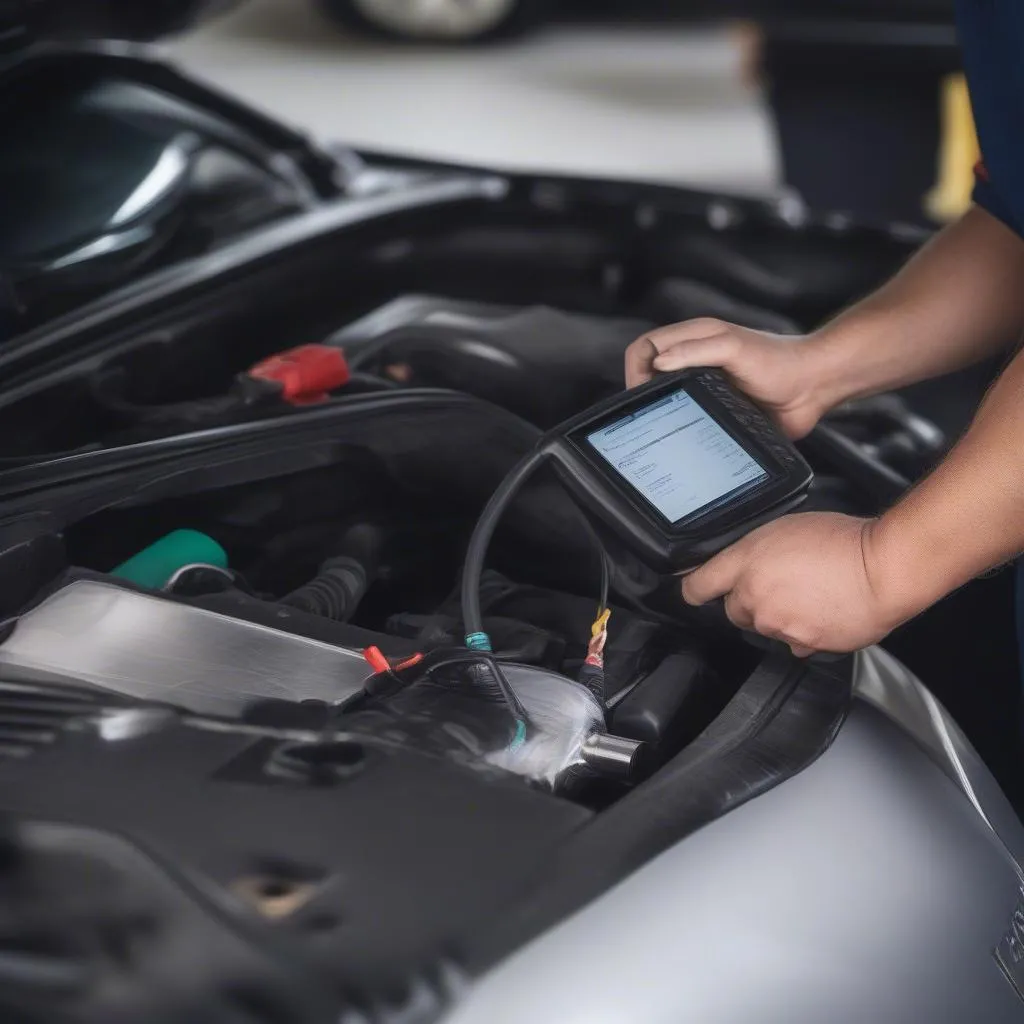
810 580
779 372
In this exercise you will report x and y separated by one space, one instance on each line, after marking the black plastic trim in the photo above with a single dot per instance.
169 288
112 474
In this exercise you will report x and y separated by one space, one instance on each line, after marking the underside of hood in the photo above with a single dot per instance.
25 21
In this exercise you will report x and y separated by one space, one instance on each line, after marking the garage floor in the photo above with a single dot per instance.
662 102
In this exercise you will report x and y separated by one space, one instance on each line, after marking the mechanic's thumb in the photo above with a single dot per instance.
720 351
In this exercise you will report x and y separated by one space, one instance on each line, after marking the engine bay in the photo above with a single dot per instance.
247 665
324 551
229 628
364 551
286 595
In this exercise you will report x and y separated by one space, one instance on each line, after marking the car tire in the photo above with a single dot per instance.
491 20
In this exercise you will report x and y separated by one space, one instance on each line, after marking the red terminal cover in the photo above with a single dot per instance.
376 660
307 374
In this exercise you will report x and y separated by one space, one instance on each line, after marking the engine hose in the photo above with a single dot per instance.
342 582
335 592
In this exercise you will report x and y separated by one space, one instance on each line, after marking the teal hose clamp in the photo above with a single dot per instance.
479 642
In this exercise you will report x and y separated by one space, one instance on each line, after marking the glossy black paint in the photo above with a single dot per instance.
116 166
23 22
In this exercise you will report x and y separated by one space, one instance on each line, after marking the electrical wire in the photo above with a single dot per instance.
511 698
476 552
606 575
592 671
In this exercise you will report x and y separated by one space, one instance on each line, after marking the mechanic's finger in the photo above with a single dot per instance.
739 614
642 353
688 330
713 579
718 350
800 651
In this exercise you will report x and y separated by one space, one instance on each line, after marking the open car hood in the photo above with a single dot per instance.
25 21
116 165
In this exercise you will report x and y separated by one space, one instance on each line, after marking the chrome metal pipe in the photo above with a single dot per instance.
611 755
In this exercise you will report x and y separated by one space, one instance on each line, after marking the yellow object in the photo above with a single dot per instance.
601 623
959 153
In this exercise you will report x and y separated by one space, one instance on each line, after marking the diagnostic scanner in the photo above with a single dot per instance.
679 468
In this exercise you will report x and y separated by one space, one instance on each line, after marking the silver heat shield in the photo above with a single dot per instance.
147 647
156 650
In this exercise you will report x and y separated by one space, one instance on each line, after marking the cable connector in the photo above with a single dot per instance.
376 660
598 639
591 673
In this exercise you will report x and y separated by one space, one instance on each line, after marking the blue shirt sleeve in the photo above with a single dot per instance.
992 41
987 197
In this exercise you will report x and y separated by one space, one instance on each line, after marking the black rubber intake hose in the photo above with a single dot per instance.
342 582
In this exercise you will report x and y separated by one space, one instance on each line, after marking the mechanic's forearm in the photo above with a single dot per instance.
959 300
965 518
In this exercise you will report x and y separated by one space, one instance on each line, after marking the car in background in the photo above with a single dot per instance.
481 21
438 21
